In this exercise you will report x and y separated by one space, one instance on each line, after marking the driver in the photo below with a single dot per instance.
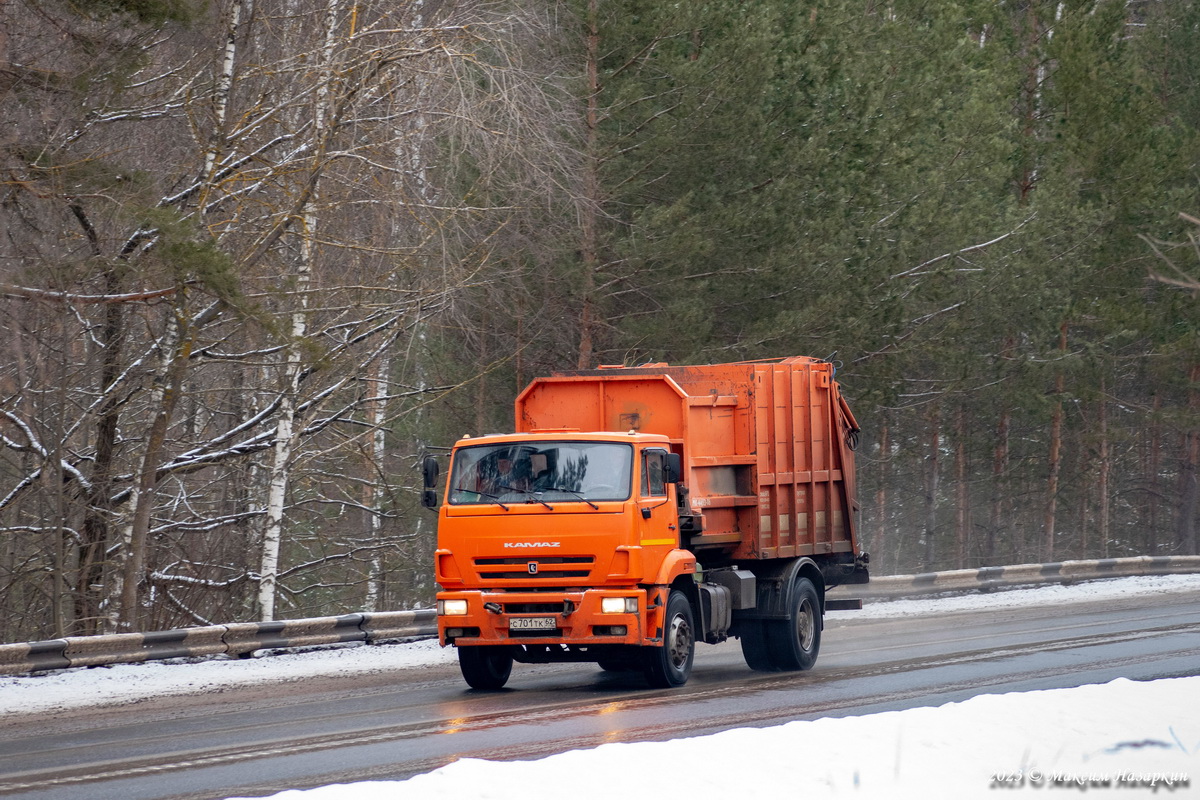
510 476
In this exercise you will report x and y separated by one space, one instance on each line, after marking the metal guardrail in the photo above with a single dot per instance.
988 578
244 638
235 639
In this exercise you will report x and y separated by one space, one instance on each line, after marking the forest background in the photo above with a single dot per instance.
260 255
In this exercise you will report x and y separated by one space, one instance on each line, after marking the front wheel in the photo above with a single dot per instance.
485 667
671 665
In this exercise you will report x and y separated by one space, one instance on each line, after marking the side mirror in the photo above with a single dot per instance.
674 468
430 470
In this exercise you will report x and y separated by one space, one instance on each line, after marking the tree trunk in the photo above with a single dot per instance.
482 395
163 399
1030 105
376 487
1105 468
999 501
589 207
882 536
1083 523
1153 470
1185 526
98 510
277 493
962 494
932 460
63 608
285 428
221 105
1055 456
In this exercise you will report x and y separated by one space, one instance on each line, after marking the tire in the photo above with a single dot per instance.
670 665
793 643
753 635
485 667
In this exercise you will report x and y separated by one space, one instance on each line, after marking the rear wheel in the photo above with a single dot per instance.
671 665
485 667
794 643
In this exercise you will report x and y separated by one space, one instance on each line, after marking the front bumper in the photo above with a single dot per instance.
568 617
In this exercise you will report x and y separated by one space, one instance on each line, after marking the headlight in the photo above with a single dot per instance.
452 608
618 605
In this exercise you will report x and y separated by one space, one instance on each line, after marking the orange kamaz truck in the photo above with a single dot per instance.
637 511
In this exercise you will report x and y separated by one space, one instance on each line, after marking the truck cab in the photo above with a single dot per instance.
551 546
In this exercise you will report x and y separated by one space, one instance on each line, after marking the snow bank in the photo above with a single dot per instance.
1124 739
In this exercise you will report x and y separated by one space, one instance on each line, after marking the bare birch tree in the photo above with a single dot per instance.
227 228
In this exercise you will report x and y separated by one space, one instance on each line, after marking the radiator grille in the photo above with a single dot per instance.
523 569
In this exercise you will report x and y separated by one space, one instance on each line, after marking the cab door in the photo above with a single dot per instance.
657 522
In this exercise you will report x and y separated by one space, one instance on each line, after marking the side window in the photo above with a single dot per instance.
653 472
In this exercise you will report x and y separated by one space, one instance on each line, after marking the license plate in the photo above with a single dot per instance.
532 624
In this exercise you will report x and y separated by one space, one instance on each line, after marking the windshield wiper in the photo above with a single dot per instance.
533 496
493 497
577 494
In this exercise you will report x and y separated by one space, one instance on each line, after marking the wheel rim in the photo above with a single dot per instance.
679 643
805 626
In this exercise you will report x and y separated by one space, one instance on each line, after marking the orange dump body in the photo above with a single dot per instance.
767 448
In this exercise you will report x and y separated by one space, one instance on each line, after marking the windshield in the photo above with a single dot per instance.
541 472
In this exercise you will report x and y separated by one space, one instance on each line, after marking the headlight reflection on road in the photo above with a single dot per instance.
456 724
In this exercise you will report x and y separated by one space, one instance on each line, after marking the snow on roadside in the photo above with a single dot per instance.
126 683
1121 739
